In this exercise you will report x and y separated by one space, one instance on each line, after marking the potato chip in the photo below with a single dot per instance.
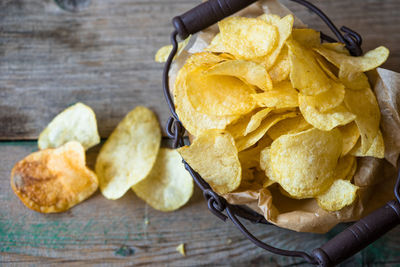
216 45
250 158
327 120
370 60
377 149
163 53
256 119
128 155
354 80
353 169
76 123
305 73
338 47
218 94
363 104
281 69
328 68
304 163
341 194
252 138
352 68
307 37
282 96
247 71
194 121
284 27
326 100
350 136
247 38
289 126
168 186
181 249
54 180
214 156
344 167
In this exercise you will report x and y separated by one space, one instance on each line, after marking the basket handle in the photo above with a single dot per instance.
207 14
359 235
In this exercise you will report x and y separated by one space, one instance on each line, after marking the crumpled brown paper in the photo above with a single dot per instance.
375 177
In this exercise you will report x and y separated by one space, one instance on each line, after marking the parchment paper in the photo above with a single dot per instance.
375 177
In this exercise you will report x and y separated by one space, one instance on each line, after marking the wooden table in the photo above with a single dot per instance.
103 56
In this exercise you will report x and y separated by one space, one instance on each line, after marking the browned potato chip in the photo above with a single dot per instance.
54 180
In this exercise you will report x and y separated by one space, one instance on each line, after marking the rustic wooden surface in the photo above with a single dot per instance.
103 56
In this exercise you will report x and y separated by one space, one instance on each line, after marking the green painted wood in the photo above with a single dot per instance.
101 231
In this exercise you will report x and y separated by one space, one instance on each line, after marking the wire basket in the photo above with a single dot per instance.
346 243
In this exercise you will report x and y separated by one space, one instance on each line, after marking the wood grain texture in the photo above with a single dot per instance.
99 231
103 56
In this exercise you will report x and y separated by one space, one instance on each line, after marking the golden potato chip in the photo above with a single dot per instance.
327 120
54 180
344 167
338 47
282 96
214 156
284 27
218 94
328 68
354 81
350 136
305 73
250 158
341 194
168 186
304 163
289 126
194 121
370 60
252 138
216 45
256 119
76 123
326 100
247 38
128 155
353 169
307 37
238 127
265 164
281 69
377 149
363 104
163 53
352 68
246 71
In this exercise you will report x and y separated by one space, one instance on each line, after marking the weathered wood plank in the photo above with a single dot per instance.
96 231
103 56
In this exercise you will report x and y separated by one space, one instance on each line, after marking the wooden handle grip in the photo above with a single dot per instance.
359 235
206 14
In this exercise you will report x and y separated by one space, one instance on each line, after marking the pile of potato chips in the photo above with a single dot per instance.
56 178
267 103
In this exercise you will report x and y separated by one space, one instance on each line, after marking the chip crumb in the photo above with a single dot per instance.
146 221
181 249
229 241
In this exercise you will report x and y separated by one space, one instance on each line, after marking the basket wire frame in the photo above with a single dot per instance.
218 204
